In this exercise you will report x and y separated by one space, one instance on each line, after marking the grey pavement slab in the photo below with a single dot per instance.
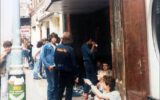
37 89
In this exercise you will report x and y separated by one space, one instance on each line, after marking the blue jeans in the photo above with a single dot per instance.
36 69
52 76
91 74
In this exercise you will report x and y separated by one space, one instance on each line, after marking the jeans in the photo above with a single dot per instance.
52 84
36 69
91 74
66 80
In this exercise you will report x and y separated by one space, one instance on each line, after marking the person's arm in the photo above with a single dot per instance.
43 58
2 57
38 51
93 47
95 90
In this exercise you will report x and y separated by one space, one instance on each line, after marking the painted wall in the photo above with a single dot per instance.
154 59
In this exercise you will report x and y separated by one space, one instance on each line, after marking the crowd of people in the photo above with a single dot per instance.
54 59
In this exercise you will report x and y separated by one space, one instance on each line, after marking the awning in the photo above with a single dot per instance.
76 6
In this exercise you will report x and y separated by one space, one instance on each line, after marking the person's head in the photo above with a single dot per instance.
66 38
7 46
88 40
108 83
105 66
53 38
39 44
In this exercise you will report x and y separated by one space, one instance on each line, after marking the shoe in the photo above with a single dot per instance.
44 77
36 78
39 76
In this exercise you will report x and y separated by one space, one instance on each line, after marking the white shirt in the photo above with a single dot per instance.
114 95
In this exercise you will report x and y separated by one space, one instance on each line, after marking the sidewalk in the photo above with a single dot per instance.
37 89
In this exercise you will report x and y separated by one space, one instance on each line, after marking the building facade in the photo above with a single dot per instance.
127 33
128 38
43 22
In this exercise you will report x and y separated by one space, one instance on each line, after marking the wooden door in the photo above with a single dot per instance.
117 44
135 49
129 48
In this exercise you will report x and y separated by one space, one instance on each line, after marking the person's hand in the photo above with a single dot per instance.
87 81
50 68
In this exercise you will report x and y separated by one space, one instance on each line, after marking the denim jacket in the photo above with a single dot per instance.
47 55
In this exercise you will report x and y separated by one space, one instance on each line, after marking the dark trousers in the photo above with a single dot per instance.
91 74
66 81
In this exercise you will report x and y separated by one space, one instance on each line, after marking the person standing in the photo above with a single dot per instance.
88 52
47 57
37 61
4 63
66 66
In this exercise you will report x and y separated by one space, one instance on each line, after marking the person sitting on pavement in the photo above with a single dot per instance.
109 92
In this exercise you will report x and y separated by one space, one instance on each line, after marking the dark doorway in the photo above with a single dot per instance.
96 25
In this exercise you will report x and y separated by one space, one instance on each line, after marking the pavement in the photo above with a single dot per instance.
37 89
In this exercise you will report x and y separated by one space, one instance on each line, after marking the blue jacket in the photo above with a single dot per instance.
87 55
65 60
47 55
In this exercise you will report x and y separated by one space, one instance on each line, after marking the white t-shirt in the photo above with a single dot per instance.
114 95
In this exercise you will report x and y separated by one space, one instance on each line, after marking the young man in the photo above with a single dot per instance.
3 69
47 57
88 51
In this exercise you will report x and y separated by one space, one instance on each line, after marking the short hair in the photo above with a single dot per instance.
109 80
53 35
7 44
67 38
39 44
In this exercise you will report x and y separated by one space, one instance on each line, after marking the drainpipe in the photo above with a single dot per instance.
16 77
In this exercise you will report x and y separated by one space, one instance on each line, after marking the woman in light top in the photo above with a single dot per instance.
109 92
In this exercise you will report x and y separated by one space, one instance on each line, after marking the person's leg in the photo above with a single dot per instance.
4 87
35 70
52 85
61 84
69 85
88 70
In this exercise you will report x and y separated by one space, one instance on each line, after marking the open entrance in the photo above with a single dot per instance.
97 26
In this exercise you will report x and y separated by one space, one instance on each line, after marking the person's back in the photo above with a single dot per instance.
63 57
65 64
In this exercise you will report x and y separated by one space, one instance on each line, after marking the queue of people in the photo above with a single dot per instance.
57 58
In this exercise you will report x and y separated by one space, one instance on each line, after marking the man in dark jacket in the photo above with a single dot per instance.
66 66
